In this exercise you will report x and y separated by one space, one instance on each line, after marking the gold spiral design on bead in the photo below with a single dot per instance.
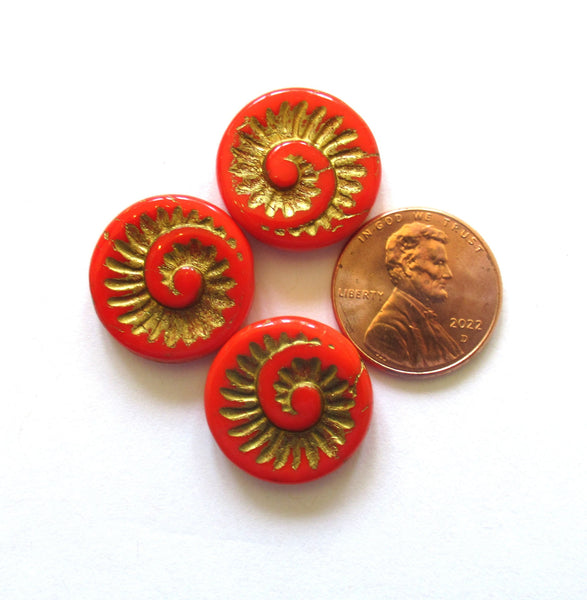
296 124
145 314
275 443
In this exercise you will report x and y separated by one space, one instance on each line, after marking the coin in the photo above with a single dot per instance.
417 291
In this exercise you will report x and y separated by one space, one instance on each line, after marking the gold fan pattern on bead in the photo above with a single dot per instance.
275 443
295 123
145 314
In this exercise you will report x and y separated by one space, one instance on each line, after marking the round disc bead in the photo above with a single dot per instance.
172 278
298 169
288 399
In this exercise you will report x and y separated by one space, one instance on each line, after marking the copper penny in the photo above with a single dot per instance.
417 291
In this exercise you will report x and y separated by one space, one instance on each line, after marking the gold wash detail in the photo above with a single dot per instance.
295 124
277 444
145 314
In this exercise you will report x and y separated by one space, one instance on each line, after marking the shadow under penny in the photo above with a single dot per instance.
428 386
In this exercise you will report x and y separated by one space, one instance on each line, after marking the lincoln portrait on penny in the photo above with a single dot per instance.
406 330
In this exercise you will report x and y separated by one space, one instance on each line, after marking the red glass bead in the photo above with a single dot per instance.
298 169
172 278
288 399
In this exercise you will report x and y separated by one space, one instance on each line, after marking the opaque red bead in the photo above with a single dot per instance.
298 169
172 278
288 399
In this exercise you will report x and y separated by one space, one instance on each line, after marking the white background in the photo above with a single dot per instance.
470 486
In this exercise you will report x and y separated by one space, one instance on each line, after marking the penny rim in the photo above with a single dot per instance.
417 335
